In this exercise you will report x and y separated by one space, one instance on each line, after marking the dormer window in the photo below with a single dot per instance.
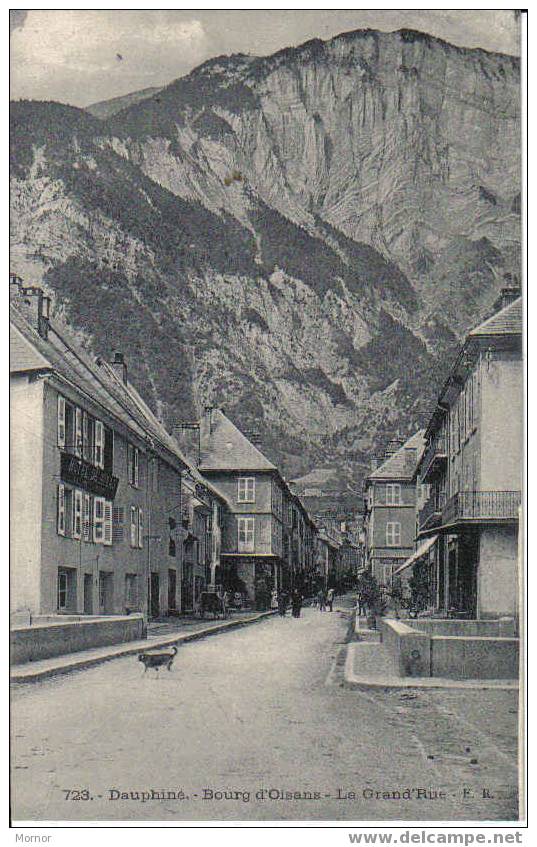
246 489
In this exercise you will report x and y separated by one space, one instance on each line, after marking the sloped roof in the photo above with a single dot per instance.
65 358
23 356
506 322
227 448
154 426
398 466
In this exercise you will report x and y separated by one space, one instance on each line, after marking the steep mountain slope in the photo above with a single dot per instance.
107 108
298 238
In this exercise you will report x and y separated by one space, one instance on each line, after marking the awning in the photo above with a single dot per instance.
421 551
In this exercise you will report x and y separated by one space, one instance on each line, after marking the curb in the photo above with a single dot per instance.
363 683
21 674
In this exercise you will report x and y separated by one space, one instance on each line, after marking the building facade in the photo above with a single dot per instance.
472 467
96 481
390 509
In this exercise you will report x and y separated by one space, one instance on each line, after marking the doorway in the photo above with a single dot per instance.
172 590
88 594
106 593
154 599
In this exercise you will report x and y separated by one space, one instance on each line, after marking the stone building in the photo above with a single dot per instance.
390 509
472 467
95 479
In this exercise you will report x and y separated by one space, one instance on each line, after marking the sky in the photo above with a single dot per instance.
83 56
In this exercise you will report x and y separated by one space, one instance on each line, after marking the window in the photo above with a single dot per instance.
137 527
62 590
393 494
98 520
61 509
140 528
61 421
134 526
66 595
77 515
107 539
99 444
118 519
246 535
131 591
86 518
78 443
246 490
88 436
133 465
393 534
108 457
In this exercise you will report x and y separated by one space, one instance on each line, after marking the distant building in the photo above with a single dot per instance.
472 470
252 539
390 509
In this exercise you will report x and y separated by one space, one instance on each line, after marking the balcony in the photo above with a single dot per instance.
482 506
430 516
434 458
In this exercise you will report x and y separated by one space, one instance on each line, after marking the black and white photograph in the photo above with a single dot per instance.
267 309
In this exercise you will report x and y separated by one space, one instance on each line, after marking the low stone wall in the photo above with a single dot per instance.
460 656
474 658
410 648
43 641
499 628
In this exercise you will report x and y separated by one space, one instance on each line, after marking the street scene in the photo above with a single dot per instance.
267 446
259 709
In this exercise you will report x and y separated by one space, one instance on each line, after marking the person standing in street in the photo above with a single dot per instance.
282 603
296 603
322 600
330 599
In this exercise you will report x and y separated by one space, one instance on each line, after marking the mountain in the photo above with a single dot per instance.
301 238
107 108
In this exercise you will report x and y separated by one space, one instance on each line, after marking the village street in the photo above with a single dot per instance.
262 707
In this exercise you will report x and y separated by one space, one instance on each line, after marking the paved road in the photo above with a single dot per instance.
261 712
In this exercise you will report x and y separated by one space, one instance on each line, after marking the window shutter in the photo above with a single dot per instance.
134 526
77 514
61 509
118 518
61 421
140 528
99 444
107 523
98 520
78 445
136 467
86 447
86 523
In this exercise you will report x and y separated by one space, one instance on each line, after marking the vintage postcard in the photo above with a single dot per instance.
267 416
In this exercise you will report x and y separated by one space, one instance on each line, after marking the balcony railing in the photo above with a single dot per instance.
434 455
431 514
482 505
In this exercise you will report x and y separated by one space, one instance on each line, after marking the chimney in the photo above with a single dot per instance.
32 303
206 426
375 462
120 366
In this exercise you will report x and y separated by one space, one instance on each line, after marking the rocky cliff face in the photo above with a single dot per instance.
299 238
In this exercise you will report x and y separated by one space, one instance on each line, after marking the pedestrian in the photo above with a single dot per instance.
330 599
296 603
274 600
282 603
321 596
